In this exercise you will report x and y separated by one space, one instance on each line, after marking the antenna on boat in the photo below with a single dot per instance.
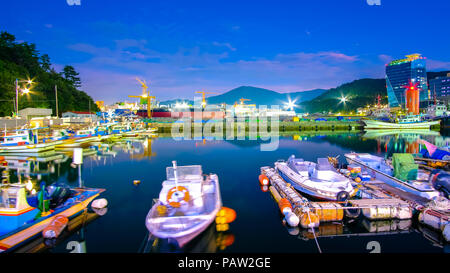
175 175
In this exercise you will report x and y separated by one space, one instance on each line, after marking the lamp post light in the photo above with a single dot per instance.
25 90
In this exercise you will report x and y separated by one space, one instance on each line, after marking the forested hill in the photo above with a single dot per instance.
21 60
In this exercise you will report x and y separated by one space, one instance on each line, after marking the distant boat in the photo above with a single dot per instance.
188 203
380 169
22 223
319 180
409 122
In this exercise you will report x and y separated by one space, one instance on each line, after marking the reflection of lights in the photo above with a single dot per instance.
29 185
26 91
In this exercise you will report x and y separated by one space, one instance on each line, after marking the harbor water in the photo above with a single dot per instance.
258 226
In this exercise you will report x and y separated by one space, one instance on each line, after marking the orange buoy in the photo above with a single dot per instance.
285 206
263 180
264 188
225 216
56 226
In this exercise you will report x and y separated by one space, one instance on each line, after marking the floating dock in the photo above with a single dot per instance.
377 201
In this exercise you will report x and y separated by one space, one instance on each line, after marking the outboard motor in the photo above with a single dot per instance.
58 193
440 180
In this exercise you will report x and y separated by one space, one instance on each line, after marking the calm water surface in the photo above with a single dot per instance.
258 226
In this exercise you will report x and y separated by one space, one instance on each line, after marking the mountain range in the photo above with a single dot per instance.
357 93
256 95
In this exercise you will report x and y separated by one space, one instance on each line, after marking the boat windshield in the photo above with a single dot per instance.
8 198
185 172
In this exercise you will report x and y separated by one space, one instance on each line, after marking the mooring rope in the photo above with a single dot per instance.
314 233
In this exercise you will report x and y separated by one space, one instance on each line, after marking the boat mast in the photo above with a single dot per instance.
175 175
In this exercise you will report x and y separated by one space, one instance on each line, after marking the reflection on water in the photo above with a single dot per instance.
209 241
114 165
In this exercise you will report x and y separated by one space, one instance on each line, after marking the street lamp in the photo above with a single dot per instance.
26 90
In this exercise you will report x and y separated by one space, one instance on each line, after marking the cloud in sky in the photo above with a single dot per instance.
109 73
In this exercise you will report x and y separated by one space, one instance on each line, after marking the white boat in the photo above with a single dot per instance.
409 122
319 180
24 141
381 170
188 203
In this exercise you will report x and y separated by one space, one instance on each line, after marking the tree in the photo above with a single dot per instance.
72 76
21 60
45 62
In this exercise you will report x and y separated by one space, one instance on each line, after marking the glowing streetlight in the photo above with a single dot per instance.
343 100
24 91
290 104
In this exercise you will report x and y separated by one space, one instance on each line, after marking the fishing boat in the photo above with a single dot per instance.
408 122
80 138
319 180
21 223
383 170
188 203
25 141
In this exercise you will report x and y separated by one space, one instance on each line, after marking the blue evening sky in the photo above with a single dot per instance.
184 46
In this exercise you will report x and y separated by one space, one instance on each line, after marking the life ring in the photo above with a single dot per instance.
175 200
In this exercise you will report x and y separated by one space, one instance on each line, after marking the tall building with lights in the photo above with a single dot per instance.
440 88
400 73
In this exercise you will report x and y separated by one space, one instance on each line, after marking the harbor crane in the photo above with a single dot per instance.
242 102
203 96
145 95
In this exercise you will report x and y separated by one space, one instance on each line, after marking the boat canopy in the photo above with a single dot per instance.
193 172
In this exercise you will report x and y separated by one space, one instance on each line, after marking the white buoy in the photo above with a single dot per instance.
99 203
292 219
77 156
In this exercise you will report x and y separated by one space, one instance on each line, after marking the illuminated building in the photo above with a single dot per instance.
400 73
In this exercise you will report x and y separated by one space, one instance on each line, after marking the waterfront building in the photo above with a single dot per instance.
79 117
30 113
400 73
440 88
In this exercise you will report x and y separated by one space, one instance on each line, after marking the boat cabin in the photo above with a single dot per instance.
191 179
20 138
14 208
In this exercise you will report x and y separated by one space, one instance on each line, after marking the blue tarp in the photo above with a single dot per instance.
438 154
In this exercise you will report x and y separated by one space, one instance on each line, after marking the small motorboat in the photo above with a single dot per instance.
319 180
405 175
23 218
188 203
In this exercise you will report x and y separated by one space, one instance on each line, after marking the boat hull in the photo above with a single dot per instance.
375 124
186 235
309 191
30 148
